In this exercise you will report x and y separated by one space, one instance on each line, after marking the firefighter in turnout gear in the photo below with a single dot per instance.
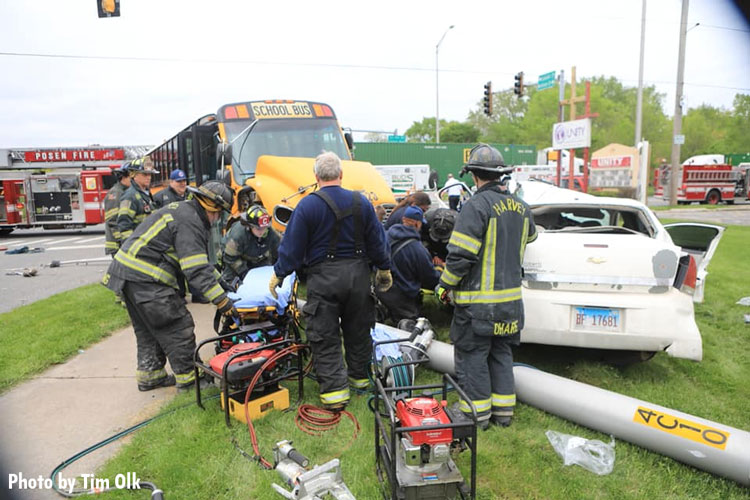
144 273
111 209
334 235
483 275
251 243
136 202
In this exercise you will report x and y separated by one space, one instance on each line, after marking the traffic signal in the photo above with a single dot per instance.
108 8
518 86
488 98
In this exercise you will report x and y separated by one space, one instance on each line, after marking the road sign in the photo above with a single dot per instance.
571 135
396 138
679 139
546 81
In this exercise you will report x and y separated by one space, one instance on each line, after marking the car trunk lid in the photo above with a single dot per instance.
573 260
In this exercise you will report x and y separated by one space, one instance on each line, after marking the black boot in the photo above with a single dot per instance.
167 381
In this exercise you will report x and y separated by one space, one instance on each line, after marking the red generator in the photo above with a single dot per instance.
418 435
238 362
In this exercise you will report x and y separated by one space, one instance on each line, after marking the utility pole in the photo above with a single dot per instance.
560 119
639 102
437 86
675 173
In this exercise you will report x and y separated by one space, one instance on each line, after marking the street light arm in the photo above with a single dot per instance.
437 87
442 37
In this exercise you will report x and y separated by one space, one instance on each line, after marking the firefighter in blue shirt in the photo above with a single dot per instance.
334 236
411 266
483 271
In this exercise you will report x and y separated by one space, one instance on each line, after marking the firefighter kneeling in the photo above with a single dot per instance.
144 272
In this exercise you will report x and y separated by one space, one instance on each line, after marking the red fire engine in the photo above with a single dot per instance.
711 183
57 188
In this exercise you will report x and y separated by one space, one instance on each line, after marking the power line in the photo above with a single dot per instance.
311 64
724 28
232 61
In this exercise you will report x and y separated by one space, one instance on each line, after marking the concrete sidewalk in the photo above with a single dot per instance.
77 404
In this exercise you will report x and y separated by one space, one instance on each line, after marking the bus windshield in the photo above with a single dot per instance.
281 137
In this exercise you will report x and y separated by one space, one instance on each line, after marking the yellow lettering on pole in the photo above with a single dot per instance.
681 427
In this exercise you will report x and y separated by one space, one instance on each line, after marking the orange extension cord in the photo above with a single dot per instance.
310 419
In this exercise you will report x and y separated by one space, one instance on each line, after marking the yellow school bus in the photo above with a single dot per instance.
265 151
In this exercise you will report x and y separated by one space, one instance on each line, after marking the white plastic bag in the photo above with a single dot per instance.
744 301
591 454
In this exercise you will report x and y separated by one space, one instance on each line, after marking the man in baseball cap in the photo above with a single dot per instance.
411 266
177 190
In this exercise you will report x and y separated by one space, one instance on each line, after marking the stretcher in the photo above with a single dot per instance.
266 326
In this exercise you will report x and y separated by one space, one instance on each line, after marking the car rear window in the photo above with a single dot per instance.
615 220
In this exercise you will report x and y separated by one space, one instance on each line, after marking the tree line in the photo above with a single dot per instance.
529 120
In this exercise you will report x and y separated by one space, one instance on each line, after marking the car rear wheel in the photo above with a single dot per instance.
713 197
5 231
625 358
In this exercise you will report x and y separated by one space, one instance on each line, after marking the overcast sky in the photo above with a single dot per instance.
140 78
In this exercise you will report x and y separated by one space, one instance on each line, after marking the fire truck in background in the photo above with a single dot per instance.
58 188
705 179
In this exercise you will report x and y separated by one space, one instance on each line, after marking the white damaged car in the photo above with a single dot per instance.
604 273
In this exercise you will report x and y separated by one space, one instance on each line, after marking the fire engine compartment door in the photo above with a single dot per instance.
14 202
57 198
94 192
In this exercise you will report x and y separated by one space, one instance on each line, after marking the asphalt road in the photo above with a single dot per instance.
734 215
62 245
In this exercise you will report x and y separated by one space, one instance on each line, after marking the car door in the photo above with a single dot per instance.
700 241
442 195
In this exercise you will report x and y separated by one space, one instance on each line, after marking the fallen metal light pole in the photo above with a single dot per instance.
704 444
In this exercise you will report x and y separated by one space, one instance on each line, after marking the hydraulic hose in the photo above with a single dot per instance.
294 348
156 494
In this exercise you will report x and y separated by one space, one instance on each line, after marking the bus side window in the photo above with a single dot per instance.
189 163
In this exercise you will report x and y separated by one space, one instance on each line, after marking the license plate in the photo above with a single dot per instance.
597 318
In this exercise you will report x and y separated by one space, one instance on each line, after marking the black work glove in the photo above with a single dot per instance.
226 307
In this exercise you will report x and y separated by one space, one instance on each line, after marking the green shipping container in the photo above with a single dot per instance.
442 158
737 158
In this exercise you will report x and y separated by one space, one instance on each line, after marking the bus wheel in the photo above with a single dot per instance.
713 197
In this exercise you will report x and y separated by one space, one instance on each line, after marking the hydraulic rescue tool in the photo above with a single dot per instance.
306 484
417 436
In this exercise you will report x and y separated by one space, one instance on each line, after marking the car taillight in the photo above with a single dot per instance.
687 275
20 206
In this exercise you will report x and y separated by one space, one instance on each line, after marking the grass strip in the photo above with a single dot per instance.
50 331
